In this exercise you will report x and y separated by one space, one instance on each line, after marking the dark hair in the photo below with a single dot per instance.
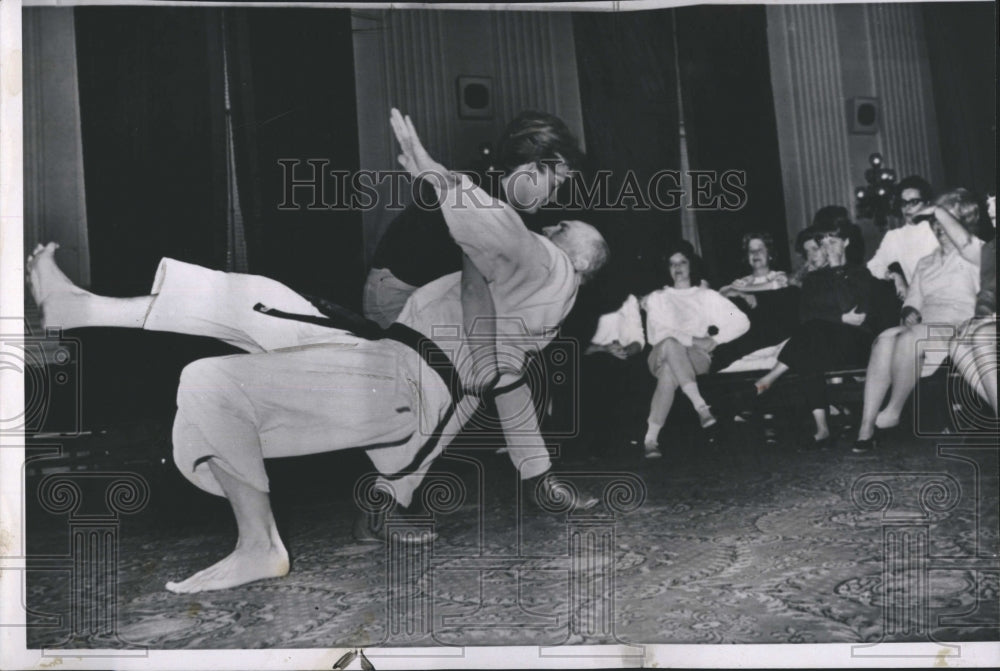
805 235
841 229
535 137
835 214
915 182
764 237
696 272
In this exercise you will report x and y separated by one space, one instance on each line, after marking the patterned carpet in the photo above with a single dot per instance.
712 544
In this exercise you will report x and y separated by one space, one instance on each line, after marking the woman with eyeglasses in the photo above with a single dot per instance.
834 331
910 242
942 293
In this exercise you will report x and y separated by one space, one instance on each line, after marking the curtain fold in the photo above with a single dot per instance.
292 94
730 121
628 94
153 152
961 44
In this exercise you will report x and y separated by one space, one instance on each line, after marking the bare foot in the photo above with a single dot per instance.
53 292
246 564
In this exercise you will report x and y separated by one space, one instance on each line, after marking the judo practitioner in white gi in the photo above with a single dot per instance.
306 388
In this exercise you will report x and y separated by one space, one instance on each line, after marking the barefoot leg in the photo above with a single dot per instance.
259 551
65 305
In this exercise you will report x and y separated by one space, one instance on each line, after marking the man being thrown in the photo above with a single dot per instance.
306 388
534 156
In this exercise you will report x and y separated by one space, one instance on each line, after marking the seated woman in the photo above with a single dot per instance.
684 323
813 255
942 292
832 333
974 348
903 247
757 250
766 298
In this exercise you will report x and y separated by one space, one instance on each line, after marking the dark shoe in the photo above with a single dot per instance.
823 443
377 526
553 494
864 446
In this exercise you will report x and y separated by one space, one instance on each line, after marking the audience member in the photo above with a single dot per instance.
942 291
684 323
974 349
833 333
910 242
766 298
831 216
807 244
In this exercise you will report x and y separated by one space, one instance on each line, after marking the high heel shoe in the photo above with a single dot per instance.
863 446
822 443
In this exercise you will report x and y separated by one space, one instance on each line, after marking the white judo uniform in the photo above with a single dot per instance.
305 388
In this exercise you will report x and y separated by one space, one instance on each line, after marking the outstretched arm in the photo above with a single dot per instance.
488 230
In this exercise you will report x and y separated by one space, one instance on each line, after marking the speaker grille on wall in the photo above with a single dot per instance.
475 97
863 115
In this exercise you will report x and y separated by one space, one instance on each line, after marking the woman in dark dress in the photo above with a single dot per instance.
833 332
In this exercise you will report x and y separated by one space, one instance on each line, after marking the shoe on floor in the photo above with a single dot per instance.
863 446
652 452
552 493
380 525
705 417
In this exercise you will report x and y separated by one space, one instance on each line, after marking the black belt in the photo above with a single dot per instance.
345 320
341 318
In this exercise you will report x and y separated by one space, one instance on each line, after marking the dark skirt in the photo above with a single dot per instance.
817 347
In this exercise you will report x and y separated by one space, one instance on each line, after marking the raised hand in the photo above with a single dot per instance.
414 158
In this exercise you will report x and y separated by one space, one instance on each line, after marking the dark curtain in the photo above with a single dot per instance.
153 150
628 94
293 97
961 45
730 122
152 111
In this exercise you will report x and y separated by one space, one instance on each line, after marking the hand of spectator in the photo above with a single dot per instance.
911 316
749 299
415 158
901 286
616 350
854 318
704 343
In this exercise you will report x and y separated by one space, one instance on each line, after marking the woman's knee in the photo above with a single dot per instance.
665 377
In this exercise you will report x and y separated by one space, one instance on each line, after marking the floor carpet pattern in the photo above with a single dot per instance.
708 545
